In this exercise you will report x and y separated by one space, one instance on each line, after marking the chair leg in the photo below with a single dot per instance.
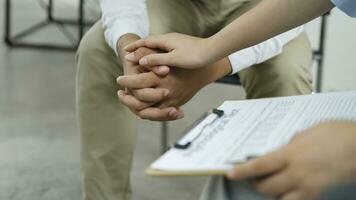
50 11
81 16
164 136
321 52
7 22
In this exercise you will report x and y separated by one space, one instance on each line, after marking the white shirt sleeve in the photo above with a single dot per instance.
263 51
120 17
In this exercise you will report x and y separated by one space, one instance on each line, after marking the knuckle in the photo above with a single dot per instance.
143 51
140 52
140 106
141 81
153 77
141 116
258 166
139 95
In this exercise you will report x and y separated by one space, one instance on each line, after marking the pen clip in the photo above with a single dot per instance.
217 112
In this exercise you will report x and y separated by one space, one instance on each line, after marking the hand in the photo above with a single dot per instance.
133 67
142 100
182 85
147 96
183 51
315 160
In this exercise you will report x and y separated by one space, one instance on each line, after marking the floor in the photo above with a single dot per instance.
39 144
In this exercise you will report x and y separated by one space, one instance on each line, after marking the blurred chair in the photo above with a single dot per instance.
48 7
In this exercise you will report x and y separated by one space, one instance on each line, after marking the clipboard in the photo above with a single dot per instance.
154 172
162 173
241 130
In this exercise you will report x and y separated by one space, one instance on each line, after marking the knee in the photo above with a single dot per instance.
93 44
272 81
297 79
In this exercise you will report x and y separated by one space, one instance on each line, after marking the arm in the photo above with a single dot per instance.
125 22
188 48
263 51
270 18
266 20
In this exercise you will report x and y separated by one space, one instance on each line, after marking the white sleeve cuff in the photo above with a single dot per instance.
122 27
262 52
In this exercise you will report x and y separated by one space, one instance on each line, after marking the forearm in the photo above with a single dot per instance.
268 19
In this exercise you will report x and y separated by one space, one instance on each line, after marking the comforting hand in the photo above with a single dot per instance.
183 51
315 160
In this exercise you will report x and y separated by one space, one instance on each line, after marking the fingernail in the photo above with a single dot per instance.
130 56
118 79
121 93
162 68
180 115
166 93
143 61
172 112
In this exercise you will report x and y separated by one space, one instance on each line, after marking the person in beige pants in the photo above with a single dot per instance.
108 126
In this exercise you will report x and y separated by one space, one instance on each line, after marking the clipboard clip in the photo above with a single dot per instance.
217 112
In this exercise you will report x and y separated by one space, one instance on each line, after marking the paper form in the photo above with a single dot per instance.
254 128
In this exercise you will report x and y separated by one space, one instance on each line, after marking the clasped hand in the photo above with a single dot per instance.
156 94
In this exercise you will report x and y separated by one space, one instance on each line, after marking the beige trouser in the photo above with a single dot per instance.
108 129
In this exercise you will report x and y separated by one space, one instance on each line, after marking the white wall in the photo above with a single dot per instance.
340 55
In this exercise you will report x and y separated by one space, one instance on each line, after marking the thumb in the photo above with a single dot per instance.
161 59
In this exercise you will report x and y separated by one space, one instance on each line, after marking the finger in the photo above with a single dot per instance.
293 195
153 95
131 102
157 60
161 70
135 45
259 167
154 42
276 184
138 81
298 137
158 114
136 55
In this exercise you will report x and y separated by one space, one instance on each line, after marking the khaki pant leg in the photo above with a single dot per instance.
107 128
284 75
181 16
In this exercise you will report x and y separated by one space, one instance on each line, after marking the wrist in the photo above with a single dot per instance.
221 68
216 71
214 50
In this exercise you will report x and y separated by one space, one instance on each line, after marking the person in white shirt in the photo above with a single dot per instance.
277 67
